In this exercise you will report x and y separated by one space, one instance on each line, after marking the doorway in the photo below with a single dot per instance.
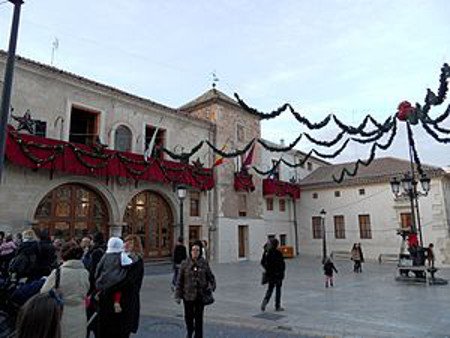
243 241
149 216
195 232
72 211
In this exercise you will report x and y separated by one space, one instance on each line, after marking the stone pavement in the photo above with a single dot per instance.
371 304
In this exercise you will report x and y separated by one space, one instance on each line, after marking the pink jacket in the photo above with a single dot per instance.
7 247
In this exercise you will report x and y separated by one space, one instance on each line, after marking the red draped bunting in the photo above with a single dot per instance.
243 181
39 152
280 188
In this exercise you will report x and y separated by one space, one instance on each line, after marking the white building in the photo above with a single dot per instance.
363 209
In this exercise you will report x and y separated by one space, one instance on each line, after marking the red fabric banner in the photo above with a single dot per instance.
243 181
39 152
280 188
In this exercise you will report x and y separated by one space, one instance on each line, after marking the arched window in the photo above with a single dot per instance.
122 139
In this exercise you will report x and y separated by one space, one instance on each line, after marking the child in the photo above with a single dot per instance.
430 255
328 267
110 270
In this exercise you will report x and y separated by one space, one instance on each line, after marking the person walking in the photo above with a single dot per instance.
357 257
179 255
274 266
121 324
196 282
73 286
328 269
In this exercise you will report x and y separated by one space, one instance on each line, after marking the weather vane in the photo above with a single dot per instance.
215 79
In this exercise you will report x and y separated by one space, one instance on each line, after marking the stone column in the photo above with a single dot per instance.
115 229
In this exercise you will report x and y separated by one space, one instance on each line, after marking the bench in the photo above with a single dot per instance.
392 258
341 255
428 271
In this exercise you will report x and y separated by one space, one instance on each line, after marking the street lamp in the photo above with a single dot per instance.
181 193
324 236
409 186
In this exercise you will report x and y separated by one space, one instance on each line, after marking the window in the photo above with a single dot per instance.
269 203
240 133
40 128
242 205
283 239
122 138
337 193
364 227
159 140
270 237
406 220
309 166
339 227
83 126
315 195
317 227
194 198
362 191
282 204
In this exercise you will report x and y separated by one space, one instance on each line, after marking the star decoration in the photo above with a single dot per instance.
26 123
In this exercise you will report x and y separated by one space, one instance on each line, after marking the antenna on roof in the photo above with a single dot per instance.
215 79
55 45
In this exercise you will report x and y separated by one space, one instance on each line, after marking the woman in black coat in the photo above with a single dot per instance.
122 324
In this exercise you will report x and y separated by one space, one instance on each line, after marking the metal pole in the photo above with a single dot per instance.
295 227
181 218
324 240
419 225
413 180
7 87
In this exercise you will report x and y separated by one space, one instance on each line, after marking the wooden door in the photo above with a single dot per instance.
195 232
149 216
72 211
243 241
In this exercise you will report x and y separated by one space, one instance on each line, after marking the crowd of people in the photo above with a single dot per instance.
72 289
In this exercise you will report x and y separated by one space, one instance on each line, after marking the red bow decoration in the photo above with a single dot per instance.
405 109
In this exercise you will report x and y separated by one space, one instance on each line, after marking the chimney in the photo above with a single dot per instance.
282 142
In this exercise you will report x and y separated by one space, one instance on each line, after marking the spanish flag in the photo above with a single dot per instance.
218 160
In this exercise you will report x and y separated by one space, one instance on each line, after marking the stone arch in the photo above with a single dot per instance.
115 216
149 214
73 210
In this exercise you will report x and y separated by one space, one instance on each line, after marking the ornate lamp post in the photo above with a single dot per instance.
324 236
409 187
181 193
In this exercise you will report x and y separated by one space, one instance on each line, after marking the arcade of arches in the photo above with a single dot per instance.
72 210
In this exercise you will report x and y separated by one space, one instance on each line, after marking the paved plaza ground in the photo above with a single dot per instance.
371 304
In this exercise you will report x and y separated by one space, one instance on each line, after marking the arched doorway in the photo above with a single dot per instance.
149 216
72 210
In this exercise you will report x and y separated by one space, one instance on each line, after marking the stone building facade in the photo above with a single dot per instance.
74 110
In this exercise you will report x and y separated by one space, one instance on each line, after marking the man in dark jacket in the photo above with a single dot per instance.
273 264
179 255
46 261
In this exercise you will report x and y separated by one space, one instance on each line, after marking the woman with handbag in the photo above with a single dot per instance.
195 285
71 282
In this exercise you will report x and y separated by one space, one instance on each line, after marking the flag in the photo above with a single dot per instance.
218 160
151 144
249 159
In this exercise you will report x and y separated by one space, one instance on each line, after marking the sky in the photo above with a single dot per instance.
349 58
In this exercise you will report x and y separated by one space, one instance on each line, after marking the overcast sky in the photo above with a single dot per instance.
350 58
